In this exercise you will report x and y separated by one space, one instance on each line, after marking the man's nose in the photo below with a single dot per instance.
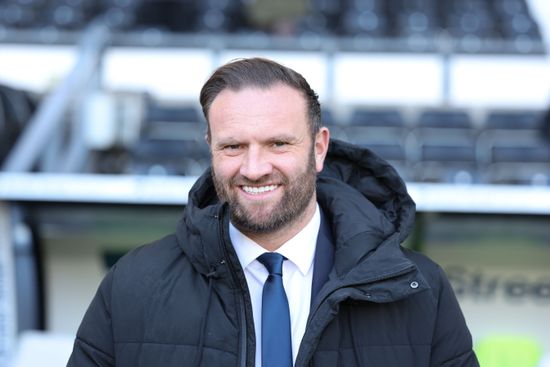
255 164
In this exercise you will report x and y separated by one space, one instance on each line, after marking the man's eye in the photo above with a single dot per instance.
279 144
232 146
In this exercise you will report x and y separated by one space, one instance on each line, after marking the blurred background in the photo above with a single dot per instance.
101 138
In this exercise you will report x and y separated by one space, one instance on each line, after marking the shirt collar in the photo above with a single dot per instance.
300 249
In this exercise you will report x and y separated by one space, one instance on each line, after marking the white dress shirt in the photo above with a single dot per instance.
297 278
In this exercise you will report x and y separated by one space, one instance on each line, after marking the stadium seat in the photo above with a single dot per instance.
519 163
448 163
171 157
377 127
382 130
173 113
363 18
513 120
511 149
515 20
377 117
417 18
470 19
446 141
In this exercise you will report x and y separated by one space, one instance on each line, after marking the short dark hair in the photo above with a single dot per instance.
261 73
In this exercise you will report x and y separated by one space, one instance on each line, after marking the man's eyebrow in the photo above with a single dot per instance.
287 138
283 137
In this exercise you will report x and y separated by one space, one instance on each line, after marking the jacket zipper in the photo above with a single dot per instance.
240 300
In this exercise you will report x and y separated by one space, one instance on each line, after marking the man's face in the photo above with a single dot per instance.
264 160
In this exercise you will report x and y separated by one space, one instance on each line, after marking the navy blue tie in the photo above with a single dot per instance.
276 336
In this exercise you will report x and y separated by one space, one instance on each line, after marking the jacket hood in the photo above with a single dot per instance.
367 180
363 196
369 208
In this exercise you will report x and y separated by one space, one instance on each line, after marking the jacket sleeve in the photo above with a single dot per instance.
452 341
94 340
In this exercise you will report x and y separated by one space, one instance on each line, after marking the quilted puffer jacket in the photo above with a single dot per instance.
183 300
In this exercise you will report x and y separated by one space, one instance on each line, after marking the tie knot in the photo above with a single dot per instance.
273 262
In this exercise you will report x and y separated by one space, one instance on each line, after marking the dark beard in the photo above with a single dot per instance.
293 204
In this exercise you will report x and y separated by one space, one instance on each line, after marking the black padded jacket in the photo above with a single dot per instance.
183 300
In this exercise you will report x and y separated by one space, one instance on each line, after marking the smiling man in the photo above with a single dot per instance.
265 160
288 253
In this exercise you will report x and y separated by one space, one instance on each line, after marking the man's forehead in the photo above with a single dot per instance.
278 107
278 88
276 100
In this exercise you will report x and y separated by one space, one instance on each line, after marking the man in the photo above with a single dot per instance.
332 215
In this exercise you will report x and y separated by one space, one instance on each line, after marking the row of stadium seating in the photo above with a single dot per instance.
428 146
463 19
424 144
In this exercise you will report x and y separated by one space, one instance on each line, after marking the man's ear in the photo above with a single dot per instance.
321 147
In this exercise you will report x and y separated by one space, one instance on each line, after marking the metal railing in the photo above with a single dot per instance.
49 116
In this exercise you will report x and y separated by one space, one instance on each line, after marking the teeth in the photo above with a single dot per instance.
259 190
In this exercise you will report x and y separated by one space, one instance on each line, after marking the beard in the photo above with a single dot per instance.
256 218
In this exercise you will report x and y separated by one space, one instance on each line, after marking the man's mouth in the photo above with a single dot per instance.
258 189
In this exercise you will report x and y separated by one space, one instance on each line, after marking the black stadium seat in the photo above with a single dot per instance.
377 117
513 120
446 140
